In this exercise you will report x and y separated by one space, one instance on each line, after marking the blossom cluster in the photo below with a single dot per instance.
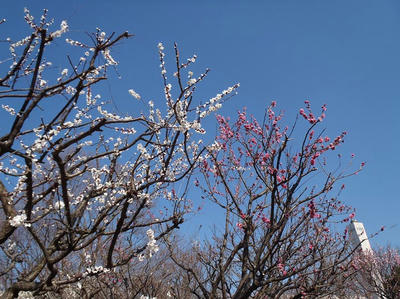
19 220
134 94
63 29
151 248
95 270
214 103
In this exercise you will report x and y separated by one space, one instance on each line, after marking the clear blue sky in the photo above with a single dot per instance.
342 53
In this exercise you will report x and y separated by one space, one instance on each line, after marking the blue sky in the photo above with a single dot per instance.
342 53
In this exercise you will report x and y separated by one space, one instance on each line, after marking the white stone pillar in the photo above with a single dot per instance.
358 237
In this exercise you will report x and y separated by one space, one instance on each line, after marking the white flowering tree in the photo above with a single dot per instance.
152 278
77 179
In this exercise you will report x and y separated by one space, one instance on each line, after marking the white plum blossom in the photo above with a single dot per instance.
151 245
70 90
88 258
42 83
11 246
150 233
102 36
126 131
214 146
112 116
134 94
192 59
8 109
25 295
29 18
215 103
63 28
143 151
18 44
59 205
108 57
68 124
95 270
19 220
74 43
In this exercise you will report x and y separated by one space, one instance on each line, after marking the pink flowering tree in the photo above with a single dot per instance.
378 273
78 179
283 231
